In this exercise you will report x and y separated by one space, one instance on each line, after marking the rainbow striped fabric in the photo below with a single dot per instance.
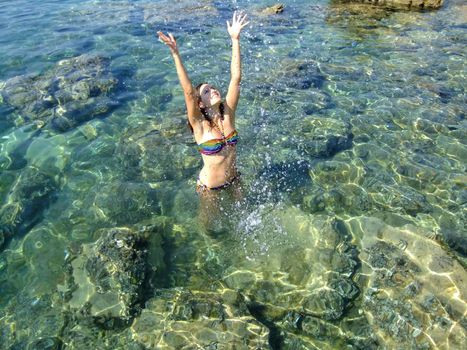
215 145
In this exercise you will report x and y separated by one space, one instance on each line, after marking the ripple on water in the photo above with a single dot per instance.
351 229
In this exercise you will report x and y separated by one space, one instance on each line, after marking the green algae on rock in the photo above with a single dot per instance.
395 76
176 319
182 10
400 4
308 332
274 9
29 322
317 138
25 203
102 293
412 299
107 277
126 203
74 91
324 137
308 270
292 74
157 152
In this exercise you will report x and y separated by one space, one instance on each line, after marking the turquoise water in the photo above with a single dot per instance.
350 232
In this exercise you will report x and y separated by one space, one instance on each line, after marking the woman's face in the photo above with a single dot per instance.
209 95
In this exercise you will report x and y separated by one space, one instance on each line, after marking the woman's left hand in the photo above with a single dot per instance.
238 22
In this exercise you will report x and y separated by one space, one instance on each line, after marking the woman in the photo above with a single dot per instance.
212 120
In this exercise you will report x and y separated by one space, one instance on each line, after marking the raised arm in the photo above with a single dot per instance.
188 90
233 94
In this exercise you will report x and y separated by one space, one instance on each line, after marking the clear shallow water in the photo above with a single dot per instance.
352 124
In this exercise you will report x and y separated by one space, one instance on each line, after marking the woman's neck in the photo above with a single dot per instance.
214 112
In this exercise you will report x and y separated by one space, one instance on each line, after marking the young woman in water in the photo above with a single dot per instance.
211 119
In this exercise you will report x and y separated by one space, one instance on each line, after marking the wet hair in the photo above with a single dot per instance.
203 110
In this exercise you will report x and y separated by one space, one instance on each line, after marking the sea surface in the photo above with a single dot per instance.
348 232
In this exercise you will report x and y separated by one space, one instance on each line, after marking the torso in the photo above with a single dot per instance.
219 168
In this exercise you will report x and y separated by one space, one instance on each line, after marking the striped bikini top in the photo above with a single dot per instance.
215 145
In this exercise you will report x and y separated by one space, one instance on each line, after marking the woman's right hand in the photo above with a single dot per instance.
169 41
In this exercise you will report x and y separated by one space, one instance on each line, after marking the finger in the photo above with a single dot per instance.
228 25
243 18
245 24
168 43
172 37
162 36
164 39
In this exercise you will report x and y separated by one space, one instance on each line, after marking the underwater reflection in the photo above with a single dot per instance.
217 208
346 231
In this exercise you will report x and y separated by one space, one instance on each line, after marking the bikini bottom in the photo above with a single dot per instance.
201 188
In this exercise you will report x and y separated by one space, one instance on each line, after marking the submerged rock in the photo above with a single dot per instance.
29 196
307 332
74 91
103 293
400 4
456 239
295 264
274 9
158 152
283 177
106 278
387 196
180 11
302 75
414 293
317 101
180 319
316 138
324 137
126 203
30 322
